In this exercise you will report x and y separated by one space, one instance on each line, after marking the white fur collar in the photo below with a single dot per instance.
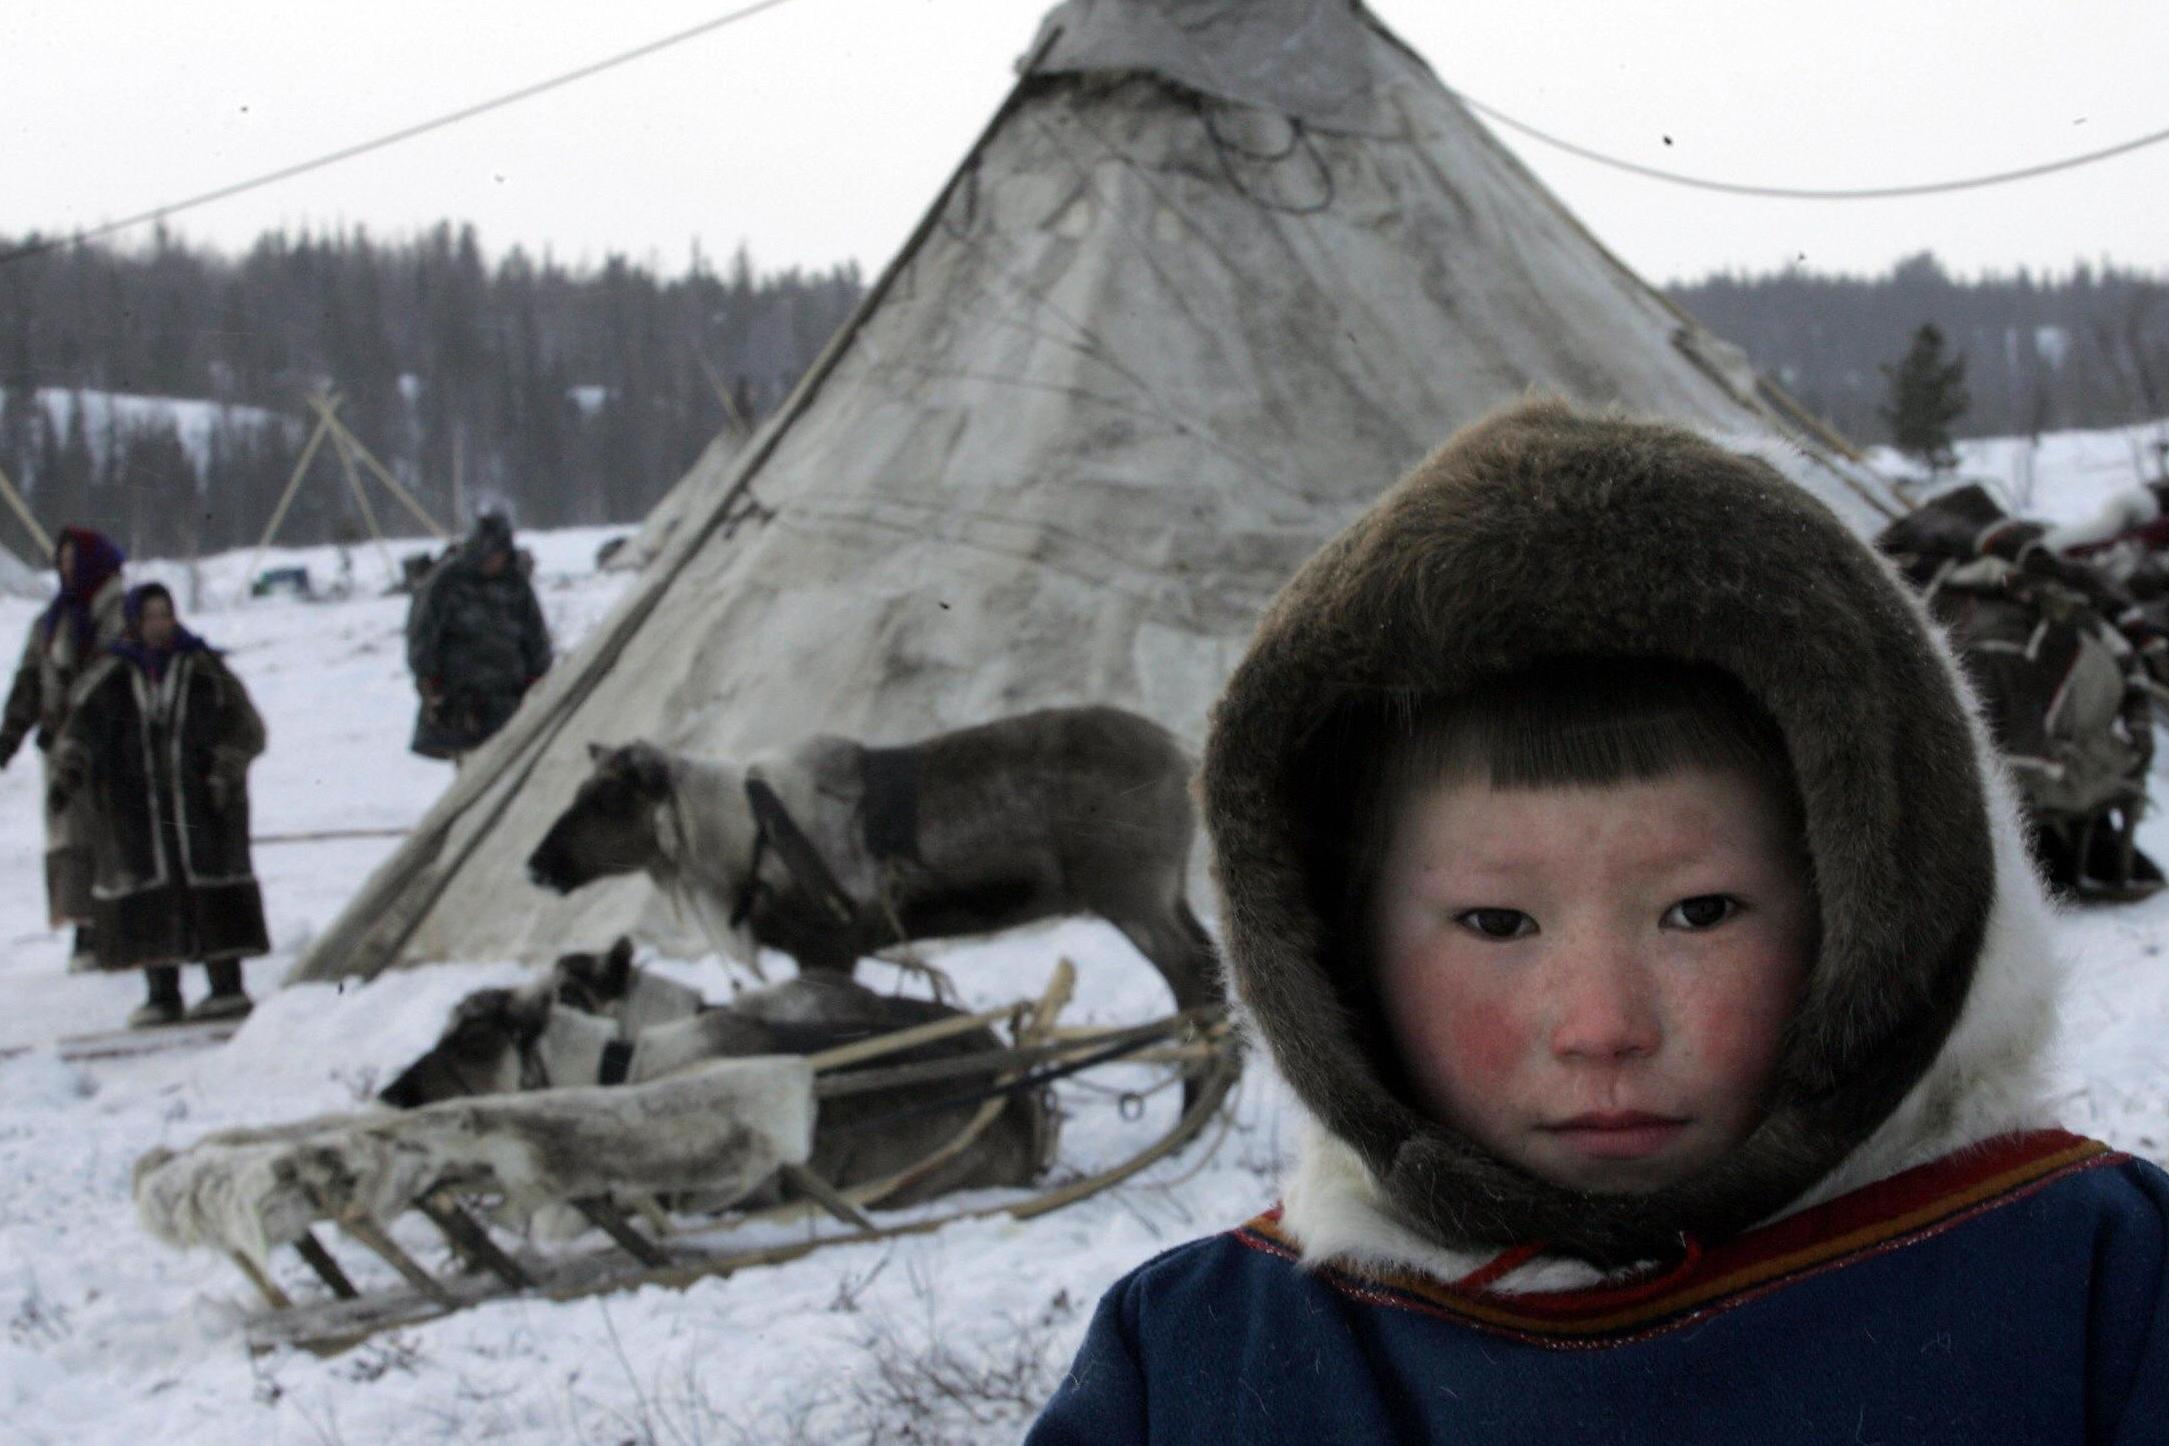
704 839
1988 1080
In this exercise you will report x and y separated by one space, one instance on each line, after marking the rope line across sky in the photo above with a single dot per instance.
654 47
1799 193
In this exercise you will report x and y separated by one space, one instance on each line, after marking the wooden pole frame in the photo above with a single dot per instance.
21 509
350 449
340 440
286 498
392 484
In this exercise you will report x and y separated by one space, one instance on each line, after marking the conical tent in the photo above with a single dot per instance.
1211 279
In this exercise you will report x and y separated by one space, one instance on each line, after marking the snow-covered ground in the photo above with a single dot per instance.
2060 477
948 1337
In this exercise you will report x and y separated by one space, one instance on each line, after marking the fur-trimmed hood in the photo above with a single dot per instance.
1543 532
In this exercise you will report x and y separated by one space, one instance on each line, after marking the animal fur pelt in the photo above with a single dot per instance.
721 1128
501 1040
1543 533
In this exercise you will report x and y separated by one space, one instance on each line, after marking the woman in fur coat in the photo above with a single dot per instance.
159 745
84 618
1617 870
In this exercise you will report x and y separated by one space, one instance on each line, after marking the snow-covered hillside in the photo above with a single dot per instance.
2060 477
949 1337
192 418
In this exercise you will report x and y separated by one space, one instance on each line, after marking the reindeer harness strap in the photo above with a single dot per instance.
742 906
889 803
776 829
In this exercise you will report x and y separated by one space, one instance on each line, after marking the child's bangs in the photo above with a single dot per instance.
1596 721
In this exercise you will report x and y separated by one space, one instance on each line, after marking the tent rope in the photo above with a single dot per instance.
1206 105
1802 193
1299 138
346 153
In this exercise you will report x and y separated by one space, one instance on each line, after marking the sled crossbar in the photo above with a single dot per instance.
1200 1039
994 1061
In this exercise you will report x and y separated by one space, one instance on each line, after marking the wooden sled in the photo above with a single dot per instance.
129 1043
135 1043
647 1246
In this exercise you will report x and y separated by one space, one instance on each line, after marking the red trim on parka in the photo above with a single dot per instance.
1884 1216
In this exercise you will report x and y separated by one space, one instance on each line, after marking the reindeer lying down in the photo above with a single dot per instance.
540 1037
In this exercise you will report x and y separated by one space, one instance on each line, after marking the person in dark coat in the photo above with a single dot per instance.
1618 871
158 747
84 618
476 642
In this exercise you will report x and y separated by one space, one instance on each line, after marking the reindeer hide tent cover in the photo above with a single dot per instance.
1211 279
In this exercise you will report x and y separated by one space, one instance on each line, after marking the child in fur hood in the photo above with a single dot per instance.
1617 872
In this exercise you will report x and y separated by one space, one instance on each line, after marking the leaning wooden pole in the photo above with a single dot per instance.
22 511
361 499
392 484
293 485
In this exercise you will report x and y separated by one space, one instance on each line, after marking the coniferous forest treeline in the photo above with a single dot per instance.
567 395
579 394
2087 348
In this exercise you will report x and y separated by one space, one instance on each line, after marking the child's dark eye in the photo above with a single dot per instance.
1496 923
1703 911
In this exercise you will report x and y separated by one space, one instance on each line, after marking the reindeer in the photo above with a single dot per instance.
501 1040
834 850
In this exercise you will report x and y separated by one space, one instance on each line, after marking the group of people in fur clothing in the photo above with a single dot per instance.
147 736
1616 868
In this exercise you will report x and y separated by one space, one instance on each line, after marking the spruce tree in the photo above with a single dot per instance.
1927 394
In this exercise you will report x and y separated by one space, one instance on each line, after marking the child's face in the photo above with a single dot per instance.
1593 982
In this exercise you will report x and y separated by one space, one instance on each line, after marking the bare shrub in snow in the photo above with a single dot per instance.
850 1286
928 1387
37 1320
381 1357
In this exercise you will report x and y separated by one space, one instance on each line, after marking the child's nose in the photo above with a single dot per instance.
1607 1007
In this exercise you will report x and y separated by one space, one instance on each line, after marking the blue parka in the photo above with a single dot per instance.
1905 1248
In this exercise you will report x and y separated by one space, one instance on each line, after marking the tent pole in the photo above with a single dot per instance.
22 510
361 500
286 498
734 420
392 484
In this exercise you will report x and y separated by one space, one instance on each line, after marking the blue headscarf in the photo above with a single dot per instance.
130 644
97 559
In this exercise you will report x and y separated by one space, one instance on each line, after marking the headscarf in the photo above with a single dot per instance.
97 560
130 644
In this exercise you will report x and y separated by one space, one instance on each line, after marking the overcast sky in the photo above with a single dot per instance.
818 131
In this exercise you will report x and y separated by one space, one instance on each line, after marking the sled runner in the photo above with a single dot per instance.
130 1043
635 1162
